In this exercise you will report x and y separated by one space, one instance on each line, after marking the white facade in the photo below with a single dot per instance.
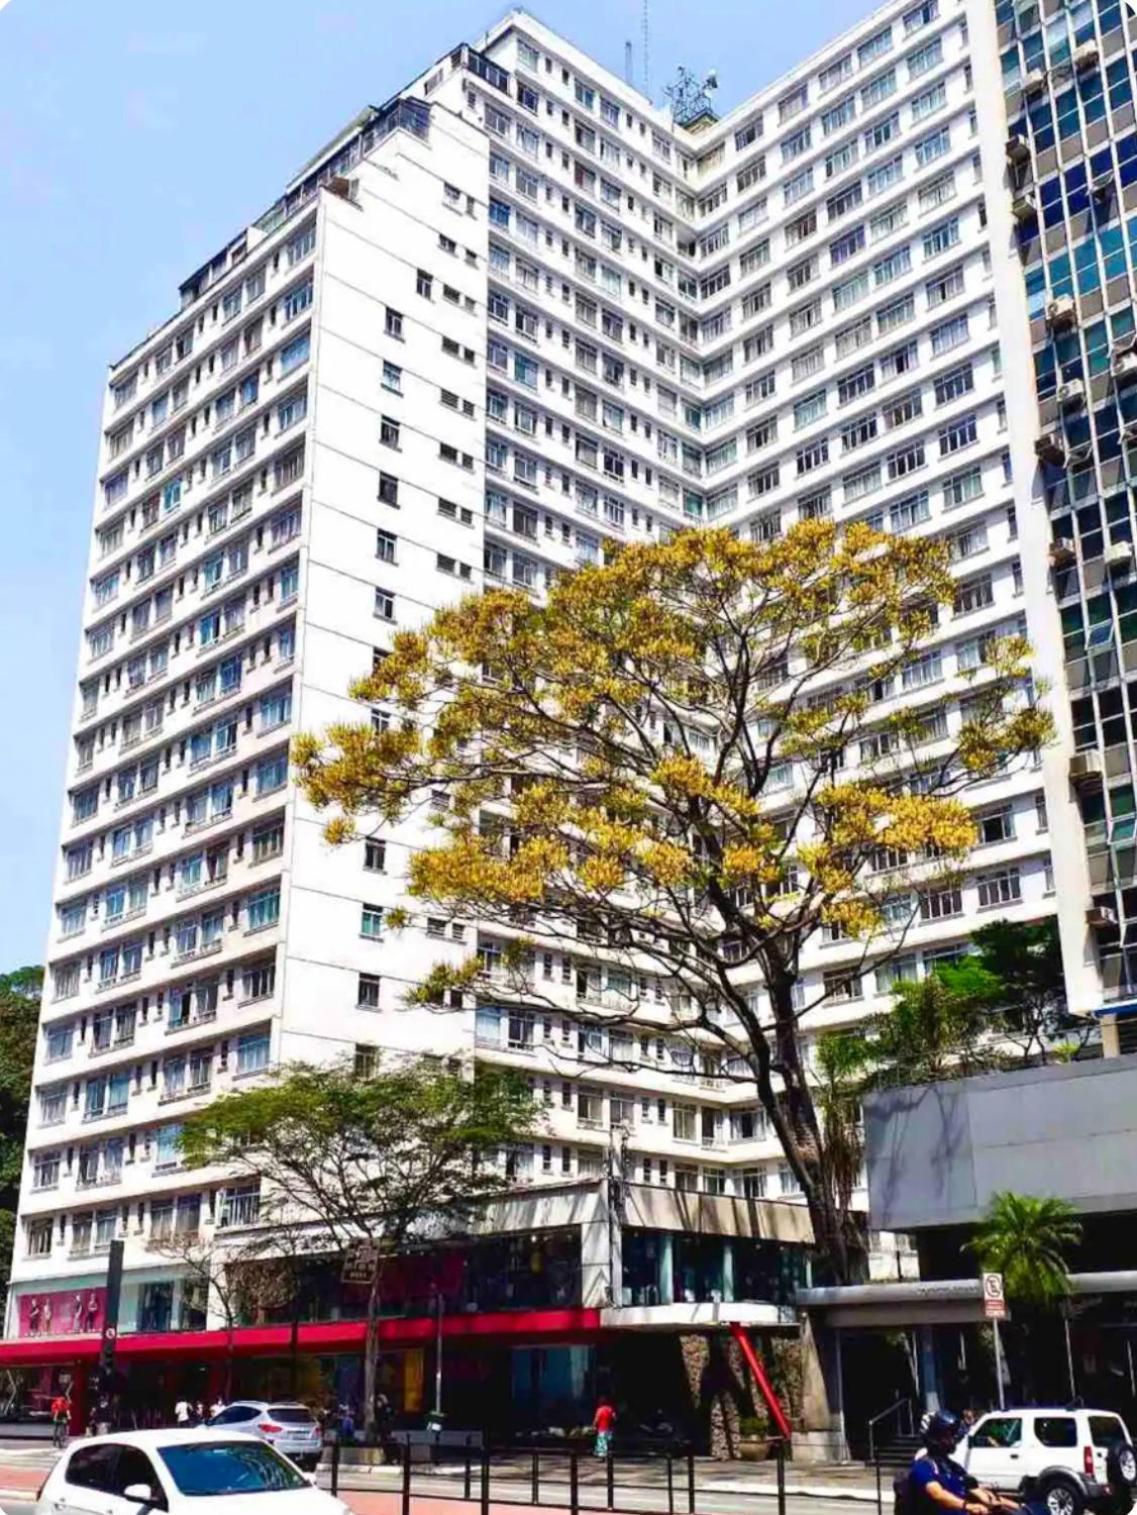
521 312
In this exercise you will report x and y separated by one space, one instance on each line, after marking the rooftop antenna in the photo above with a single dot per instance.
647 57
629 77
690 97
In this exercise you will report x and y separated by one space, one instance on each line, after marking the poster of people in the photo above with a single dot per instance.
62 1312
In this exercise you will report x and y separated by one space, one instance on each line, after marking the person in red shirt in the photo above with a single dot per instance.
602 1423
60 1417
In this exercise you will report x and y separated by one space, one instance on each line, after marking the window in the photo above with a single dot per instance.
852 385
949 334
995 826
388 489
1056 1430
973 594
393 378
880 89
388 432
374 855
939 238
1001 888
959 434
925 58
424 284
371 923
838 115
875 47
385 542
384 604
293 353
253 1048
394 321
367 992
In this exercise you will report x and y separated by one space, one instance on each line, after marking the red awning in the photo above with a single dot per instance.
321 1337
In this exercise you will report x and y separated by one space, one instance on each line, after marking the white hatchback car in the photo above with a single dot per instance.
1072 1460
179 1472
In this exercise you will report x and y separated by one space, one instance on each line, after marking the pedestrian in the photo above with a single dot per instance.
60 1417
383 1415
602 1423
182 1412
197 1414
216 1407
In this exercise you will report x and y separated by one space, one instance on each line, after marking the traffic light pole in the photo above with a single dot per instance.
105 1371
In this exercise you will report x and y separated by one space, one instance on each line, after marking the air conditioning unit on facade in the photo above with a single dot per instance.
1086 768
1061 313
1071 394
1086 56
1017 148
1123 366
1101 915
1035 81
1082 453
1118 556
1024 206
1050 448
1062 553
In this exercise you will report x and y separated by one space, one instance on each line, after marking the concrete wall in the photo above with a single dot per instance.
937 1154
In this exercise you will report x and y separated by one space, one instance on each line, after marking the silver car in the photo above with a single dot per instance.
290 1428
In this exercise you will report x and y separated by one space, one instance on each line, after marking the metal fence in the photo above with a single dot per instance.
545 1476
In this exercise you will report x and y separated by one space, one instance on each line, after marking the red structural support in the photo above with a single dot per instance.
754 1363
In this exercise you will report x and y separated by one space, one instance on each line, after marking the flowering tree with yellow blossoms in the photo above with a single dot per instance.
678 764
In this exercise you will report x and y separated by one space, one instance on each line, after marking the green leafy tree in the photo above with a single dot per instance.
932 1031
1028 1240
1016 971
20 994
371 1165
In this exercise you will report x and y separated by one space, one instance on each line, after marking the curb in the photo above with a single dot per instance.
808 1490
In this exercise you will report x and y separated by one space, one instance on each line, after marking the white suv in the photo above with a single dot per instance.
1072 1460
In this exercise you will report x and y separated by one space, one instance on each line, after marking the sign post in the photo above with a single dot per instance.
995 1309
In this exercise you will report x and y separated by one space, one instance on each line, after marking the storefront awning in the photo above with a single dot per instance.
321 1337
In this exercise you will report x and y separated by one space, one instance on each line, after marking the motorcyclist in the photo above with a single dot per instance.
936 1477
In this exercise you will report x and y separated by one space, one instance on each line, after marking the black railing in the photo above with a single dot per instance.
900 1412
550 1477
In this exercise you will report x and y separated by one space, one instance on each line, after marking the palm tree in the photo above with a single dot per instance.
1027 1238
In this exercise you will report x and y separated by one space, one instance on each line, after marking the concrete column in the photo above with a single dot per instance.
667 1269
820 1435
597 1286
929 1371
1110 1042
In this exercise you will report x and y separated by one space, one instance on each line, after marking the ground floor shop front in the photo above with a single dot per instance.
505 1377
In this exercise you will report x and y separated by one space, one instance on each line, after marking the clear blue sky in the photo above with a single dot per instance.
135 139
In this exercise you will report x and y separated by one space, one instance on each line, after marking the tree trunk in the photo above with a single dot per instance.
794 1117
371 1352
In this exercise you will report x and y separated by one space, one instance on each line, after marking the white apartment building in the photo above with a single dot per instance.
513 313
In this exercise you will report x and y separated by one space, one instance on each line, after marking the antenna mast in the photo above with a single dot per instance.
647 55
629 77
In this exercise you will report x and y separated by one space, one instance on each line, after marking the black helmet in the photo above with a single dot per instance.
943 1430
